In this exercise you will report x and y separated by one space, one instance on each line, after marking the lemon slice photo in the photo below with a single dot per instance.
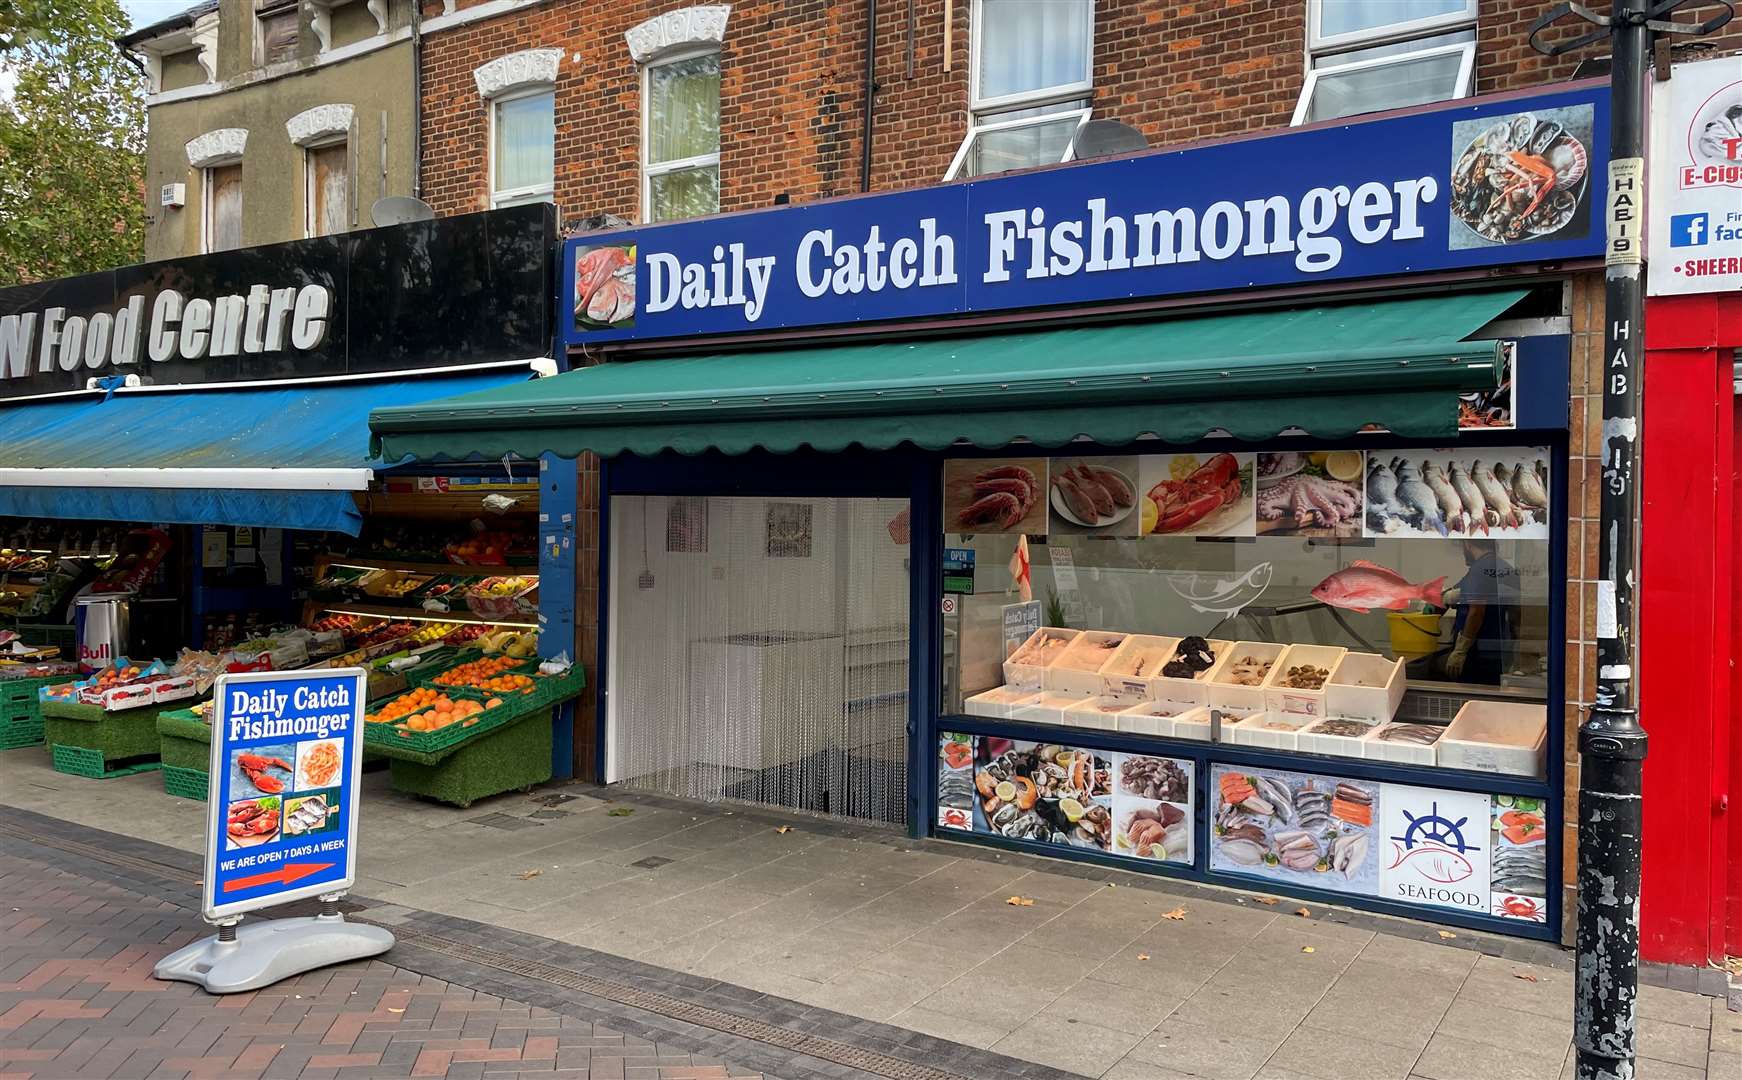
1343 465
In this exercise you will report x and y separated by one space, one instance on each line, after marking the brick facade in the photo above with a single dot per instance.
792 89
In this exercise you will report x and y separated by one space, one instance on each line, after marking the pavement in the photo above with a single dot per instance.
890 953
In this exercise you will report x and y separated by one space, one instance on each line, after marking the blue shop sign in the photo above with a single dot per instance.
286 758
1467 185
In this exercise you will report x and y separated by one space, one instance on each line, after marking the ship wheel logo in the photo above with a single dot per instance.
1431 828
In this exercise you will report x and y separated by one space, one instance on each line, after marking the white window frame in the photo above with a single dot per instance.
991 107
974 132
1466 67
207 202
1318 42
649 170
546 192
308 182
1025 99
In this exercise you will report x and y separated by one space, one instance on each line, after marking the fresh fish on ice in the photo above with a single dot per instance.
1470 495
1494 493
1418 499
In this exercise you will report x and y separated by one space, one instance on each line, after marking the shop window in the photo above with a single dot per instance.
328 173
682 172
523 142
222 225
1032 73
279 28
1371 55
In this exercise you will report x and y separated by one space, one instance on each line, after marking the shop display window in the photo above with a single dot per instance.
1388 605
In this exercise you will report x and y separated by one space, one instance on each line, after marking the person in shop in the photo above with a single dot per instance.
1487 601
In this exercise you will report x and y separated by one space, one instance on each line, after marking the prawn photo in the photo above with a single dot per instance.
317 764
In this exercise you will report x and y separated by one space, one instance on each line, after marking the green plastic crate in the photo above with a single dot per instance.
15 734
186 783
83 761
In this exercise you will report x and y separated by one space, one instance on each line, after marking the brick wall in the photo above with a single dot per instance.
1584 484
792 88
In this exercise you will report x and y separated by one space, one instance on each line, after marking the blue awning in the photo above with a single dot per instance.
274 457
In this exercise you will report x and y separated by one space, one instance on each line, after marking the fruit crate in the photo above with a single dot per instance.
192 784
425 675
396 735
60 636
86 762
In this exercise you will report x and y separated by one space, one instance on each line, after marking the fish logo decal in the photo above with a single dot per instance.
1220 595
1433 862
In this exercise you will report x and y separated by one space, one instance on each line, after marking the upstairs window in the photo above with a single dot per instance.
682 172
328 170
1371 55
1033 63
279 24
523 144
222 226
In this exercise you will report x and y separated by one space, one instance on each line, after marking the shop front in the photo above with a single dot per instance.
1690 633
1177 512
185 487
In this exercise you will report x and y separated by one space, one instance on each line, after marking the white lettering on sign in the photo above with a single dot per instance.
1023 239
196 328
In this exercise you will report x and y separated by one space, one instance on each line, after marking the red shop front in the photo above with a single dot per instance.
1690 630
1690 624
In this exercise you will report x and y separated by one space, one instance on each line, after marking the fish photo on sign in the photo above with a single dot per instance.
605 287
1499 493
995 495
1094 496
1197 495
1315 494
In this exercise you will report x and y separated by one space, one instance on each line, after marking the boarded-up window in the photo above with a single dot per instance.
329 190
224 207
280 23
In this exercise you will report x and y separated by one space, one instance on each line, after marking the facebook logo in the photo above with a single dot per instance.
1689 230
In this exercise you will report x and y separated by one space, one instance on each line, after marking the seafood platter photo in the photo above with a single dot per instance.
1518 858
1521 177
1136 805
1315 494
1484 493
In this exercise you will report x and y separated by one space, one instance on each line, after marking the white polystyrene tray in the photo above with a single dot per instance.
1049 707
1365 686
1079 669
1117 677
1101 711
1311 741
1241 699
1192 691
1030 675
1305 702
1376 748
1256 730
1497 737
999 702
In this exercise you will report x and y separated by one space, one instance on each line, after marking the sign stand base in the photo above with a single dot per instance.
247 958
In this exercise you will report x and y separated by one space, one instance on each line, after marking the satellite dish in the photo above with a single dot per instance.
1104 138
399 209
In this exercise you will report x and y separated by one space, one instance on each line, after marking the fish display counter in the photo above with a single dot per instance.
1323 671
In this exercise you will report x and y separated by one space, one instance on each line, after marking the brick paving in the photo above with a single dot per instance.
77 1000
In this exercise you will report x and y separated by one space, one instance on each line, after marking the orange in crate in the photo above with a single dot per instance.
469 674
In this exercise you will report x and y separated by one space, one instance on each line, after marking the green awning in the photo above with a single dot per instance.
1328 370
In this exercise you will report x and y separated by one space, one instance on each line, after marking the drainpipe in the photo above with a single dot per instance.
870 94
416 99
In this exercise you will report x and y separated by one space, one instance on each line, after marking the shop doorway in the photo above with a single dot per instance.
758 651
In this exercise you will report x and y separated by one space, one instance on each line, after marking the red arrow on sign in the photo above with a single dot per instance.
284 875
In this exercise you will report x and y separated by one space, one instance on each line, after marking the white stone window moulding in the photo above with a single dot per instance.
321 19
683 28
218 147
518 71
319 124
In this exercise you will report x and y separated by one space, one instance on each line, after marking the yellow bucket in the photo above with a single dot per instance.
1413 634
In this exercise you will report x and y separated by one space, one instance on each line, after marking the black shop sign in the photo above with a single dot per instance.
455 292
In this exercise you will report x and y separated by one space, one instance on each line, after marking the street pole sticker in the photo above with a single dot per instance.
286 759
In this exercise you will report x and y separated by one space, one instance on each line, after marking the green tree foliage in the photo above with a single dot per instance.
72 140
